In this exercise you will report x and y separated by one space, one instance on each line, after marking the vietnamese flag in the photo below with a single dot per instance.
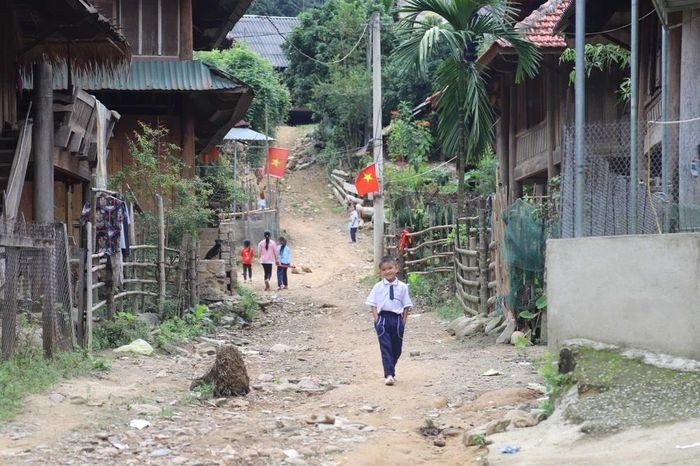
276 162
366 181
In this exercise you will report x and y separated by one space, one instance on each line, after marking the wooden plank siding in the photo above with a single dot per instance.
8 68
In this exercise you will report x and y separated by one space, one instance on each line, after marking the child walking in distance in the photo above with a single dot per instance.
247 254
267 252
354 223
390 304
285 260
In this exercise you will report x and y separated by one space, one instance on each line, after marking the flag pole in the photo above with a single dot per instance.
378 214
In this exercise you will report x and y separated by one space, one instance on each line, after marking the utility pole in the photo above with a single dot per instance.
580 117
378 216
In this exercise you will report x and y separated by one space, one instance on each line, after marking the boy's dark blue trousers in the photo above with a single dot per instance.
390 327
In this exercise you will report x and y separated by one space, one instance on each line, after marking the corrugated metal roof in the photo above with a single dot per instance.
265 35
245 134
150 75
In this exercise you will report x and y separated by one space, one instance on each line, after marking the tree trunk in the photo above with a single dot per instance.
461 155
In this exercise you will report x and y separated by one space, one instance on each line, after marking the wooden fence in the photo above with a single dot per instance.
149 272
428 251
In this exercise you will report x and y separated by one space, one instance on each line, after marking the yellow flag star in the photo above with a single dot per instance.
367 177
274 162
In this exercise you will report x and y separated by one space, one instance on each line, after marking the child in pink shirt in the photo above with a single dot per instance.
267 252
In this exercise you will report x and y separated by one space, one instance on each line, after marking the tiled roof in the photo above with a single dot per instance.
265 36
539 26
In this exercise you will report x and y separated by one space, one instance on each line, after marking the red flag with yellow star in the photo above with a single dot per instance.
366 181
276 162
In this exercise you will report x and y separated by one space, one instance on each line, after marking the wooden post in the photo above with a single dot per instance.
62 227
161 254
186 38
109 287
42 143
9 317
88 288
81 298
49 328
483 260
232 262
192 275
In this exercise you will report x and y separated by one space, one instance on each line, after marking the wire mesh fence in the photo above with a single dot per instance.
611 205
35 280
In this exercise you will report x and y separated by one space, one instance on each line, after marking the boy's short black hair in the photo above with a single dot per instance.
386 260
246 242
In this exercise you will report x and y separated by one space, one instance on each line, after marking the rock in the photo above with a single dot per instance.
367 409
452 432
474 438
296 271
306 384
56 397
538 387
266 378
491 373
146 409
320 419
439 442
458 323
517 337
117 444
139 423
306 269
332 449
285 386
539 414
160 452
414 354
161 374
520 419
502 397
78 400
493 323
508 331
151 319
291 453
440 402
206 349
138 346
102 436
496 427
280 348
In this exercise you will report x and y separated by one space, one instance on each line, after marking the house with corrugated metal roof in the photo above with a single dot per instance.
265 35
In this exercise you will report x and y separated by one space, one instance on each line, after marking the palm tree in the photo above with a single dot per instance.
455 29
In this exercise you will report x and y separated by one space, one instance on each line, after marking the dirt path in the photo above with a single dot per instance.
315 354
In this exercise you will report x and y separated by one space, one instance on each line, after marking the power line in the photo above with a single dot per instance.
364 31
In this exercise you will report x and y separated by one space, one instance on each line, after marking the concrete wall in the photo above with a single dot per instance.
635 291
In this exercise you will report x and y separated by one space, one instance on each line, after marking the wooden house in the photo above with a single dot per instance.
534 114
162 84
50 136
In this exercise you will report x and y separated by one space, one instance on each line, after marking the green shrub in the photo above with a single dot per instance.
450 310
179 329
122 330
250 306
555 382
431 290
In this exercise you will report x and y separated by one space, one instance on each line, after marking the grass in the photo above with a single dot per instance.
250 306
450 309
555 382
29 372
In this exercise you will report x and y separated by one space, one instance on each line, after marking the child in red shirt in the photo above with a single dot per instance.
247 254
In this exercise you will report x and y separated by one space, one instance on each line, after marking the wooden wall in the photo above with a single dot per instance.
8 67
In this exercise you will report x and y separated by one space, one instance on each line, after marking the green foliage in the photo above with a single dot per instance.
409 139
29 372
121 330
250 305
555 382
281 7
179 329
271 95
450 310
601 57
342 102
526 315
483 177
204 391
479 440
219 176
157 168
432 290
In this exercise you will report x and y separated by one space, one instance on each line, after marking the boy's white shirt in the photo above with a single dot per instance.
379 296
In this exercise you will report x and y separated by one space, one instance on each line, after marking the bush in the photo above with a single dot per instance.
250 306
431 290
179 329
122 330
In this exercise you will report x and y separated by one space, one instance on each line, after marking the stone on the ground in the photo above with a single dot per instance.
491 373
160 452
516 337
56 397
139 423
520 419
414 353
296 271
493 323
474 438
145 409
266 377
367 409
439 442
497 426
138 346
306 269
465 326
307 384
228 376
320 419
440 402
280 348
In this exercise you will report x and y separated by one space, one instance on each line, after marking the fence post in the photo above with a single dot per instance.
81 297
161 254
192 272
232 262
88 287
483 260
9 317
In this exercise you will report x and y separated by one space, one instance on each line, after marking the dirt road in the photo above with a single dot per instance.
315 354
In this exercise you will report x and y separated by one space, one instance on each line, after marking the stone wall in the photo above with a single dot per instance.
211 278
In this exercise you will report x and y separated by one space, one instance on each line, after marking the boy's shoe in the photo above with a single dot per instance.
389 380
267 285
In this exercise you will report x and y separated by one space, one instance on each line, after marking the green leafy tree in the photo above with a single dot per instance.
462 27
156 167
602 57
271 95
409 139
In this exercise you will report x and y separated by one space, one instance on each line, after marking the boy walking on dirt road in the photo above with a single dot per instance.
390 305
